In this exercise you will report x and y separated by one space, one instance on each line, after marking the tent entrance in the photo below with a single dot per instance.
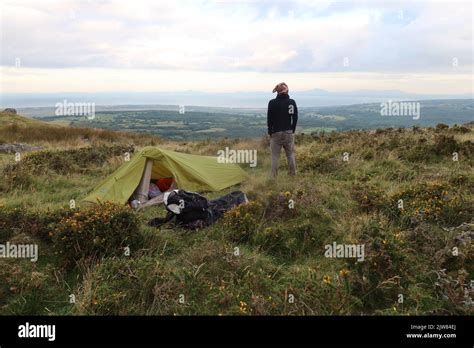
142 191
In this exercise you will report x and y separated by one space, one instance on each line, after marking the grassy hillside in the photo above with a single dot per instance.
16 128
262 258
9 118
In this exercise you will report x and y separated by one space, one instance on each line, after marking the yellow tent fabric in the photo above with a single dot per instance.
191 172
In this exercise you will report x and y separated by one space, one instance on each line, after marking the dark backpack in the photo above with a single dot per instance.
187 206
194 211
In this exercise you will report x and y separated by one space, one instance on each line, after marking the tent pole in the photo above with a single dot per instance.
144 186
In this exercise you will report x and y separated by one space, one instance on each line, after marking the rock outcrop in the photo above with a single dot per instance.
10 110
10 148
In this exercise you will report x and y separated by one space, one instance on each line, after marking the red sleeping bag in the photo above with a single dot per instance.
164 184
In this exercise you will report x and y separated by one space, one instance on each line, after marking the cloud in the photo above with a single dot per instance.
299 36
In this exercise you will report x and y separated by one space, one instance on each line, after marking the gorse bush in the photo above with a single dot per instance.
306 234
278 206
445 145
79 234
312 161
96 231
433 201
442 147
441 126
16 177
459 129
242 221
304 238
377 280
368 197
39 224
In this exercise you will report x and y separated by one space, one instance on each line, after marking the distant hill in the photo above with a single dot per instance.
239 99
363 116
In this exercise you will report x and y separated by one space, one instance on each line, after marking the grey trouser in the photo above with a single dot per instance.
283 139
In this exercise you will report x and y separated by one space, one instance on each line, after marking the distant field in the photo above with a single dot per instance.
210 123
328 117
211 130
174 125
316 129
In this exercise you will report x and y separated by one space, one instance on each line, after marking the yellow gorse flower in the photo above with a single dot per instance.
344 272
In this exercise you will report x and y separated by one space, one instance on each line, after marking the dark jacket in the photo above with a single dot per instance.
282 114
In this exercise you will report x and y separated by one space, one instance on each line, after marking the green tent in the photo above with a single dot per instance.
191 172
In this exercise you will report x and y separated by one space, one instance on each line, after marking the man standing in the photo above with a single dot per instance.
282 116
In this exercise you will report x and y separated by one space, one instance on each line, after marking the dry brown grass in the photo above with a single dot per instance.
53 136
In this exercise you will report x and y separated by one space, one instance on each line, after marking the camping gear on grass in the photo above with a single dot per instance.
194 211
189 172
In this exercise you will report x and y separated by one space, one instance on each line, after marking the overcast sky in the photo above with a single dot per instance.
133 45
